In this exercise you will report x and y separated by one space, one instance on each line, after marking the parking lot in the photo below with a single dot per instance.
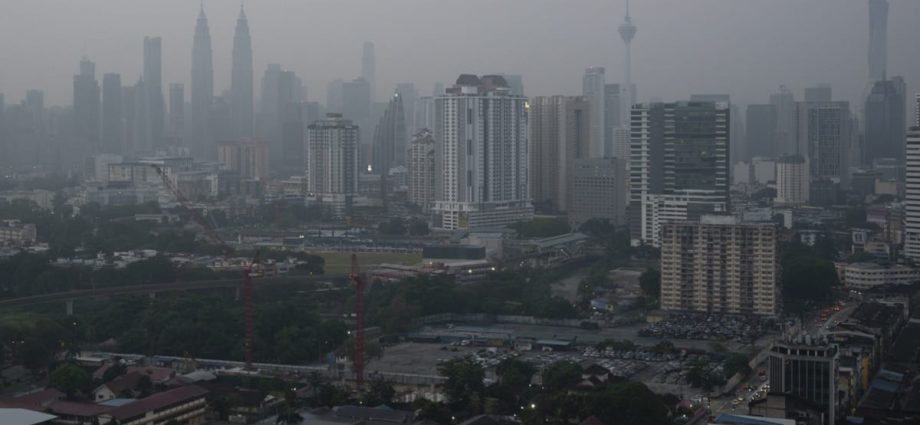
705 327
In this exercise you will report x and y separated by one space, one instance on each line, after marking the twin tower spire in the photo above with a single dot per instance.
205 131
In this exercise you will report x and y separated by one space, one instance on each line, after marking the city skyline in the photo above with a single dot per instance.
841 47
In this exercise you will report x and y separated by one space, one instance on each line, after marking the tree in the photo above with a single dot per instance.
70 379
541 228
393 227
560 376
515 373
464 380
379 391
736 363
418 228
807 280
650 282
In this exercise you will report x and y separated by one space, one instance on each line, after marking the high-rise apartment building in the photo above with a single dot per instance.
679 164
112 116
202 89
293 142
912 196
719 265
281 90
594 89
482 155
792 181
409 96
154 104
598 191
819 93
332 156
86 107
241 80
420 163
613 119
389 148
884 121
786 123
247 157
806 367
560 131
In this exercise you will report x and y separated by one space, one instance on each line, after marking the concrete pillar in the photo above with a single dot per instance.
68 305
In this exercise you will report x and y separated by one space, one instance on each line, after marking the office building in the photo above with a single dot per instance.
112 125
332 156
760 128
293 142
594 89
912 196
369 70
281 89
878 39
884 122
202 89
515 83
389 148
825 133
792 181
241 80
720 265
559 135
154 105
86 107
483 175
613 120
806 367
599 191
409 96
679 164
176 113
249 158
786 135
420 163
819 93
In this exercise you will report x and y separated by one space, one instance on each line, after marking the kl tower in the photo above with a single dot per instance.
627 33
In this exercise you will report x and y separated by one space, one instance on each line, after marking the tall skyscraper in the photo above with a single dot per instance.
390 139
420 163
155 107
280 90
249 158
482 157
202 89
878 39
884 121
819 93
560 131
627 32
293 139
593 87
761 131
679 165
241 79
177 114
912 195
786 119
825 132
86 107
409 96
369 69
112 115
613 119
332 156
719 265
792 181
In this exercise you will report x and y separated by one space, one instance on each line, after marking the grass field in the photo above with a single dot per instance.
340 262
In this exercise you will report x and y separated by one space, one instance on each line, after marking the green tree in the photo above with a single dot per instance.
736 363
464 380
560 376
515 373
70 379
379 391
807 280
650 282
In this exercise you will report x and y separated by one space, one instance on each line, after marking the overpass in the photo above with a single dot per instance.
152 289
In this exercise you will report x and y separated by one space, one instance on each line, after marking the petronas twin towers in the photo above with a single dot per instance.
202 88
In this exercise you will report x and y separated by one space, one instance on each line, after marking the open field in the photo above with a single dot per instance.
340 262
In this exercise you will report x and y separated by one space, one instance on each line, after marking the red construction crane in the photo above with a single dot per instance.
359 319
216 239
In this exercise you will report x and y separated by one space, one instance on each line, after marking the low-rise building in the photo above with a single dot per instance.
863 276
185 405
15 233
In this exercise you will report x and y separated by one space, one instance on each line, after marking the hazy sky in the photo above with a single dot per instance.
743 47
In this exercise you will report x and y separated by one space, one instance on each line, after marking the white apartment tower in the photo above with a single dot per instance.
912 196
482 154
332 156
792 180
420 163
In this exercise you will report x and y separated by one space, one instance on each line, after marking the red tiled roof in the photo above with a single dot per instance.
157 374
70 408
34 401
158 401
126 382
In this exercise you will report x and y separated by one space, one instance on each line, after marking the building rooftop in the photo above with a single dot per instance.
158 401
23 417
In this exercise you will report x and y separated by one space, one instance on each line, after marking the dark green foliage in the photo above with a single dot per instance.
561 375
736 363
70 379
650 282
393 227
379 391
464 380
806 278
